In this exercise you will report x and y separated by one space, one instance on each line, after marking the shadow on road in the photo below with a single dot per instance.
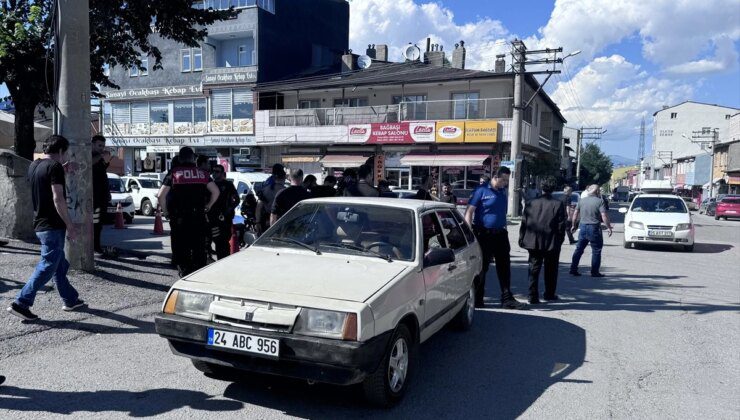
497 370
135 404
699 248
136 326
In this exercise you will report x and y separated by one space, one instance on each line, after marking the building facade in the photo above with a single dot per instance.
203 96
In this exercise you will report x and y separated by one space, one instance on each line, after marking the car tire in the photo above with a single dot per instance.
627 245
146 208
382 387
716 217
688 248
464 319
213 370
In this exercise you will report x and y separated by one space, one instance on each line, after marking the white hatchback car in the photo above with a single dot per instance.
339 290
119 195
661 219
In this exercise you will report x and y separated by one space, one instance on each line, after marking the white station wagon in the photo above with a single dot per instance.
340 290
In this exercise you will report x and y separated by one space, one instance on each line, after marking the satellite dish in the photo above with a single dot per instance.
364 61
412 52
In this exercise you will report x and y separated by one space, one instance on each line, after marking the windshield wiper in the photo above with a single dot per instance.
357 248
296 242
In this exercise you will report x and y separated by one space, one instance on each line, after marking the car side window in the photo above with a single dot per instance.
451 229
432 232
242 188
467 231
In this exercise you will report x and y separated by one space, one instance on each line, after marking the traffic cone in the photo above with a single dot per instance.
119 218
234 242
158 228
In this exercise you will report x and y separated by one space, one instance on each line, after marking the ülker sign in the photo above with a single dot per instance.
392 133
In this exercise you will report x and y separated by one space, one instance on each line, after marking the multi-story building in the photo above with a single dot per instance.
203 96
676 157
418 118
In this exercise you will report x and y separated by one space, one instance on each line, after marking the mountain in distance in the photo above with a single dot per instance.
619 161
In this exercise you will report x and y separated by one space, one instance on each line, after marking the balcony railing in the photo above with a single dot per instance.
463 109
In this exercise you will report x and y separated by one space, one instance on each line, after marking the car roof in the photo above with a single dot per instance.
409 204
658 196
110 175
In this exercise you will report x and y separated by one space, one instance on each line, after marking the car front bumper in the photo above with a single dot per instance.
302 357
127 209
681 237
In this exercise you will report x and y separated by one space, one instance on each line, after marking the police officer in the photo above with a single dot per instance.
187 205
221 215
486 213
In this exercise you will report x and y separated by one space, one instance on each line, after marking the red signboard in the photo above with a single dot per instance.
392 133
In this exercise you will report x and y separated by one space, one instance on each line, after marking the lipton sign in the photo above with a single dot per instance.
392 133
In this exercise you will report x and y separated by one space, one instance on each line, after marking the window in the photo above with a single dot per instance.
139 118
433 236
159 117
414 107
200 120
133 72
674 115
243 111
183 117
242 56
728 116
185 64
350 102
453 232
466 105
145 66
221 110
121 118
469 235
197 59
309 104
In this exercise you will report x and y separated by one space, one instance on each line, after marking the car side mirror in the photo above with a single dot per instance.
623 210
439 256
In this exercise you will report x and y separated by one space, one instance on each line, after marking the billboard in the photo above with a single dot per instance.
481 131
450 132
392 133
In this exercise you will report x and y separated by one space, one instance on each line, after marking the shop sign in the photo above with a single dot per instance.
733 180
163 149
481 131
230 75
166 92
379 167
508 163
392 133
213 141
450 131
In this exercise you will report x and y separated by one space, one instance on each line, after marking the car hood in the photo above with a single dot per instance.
119 196
293 272
665 219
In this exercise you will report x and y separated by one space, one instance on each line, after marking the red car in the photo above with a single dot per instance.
727 207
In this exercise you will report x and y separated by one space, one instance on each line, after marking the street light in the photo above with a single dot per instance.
572 54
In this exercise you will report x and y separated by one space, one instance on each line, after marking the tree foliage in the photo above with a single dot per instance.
120 33
596 167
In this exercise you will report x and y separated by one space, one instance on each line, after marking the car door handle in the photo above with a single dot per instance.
452 267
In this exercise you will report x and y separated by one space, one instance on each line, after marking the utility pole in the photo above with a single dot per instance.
663 155
585 133
73 122
707 137
519 55
641 152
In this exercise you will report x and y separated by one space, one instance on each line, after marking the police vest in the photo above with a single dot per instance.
189 191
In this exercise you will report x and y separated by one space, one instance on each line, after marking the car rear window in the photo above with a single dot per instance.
658 205
731 201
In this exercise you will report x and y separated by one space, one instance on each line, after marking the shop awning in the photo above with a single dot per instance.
343 161
300 159
444 160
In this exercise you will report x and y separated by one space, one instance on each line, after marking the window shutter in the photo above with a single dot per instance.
140 113
121 114
221 104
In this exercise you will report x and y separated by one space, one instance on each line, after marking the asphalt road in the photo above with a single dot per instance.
656 338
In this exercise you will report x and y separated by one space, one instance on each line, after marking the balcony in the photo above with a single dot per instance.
316 117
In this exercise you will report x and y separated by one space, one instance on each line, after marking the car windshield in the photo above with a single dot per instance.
355 229
658 205
115 185
149 183
730 201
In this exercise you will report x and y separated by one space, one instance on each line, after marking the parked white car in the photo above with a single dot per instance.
661 219
144 192
246 182
118 195
340 290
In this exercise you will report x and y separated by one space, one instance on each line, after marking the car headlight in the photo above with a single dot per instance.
329 324
637 225
683 226
189 304
127 201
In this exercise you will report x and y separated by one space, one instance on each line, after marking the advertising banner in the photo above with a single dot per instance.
450 131
392 133
481 131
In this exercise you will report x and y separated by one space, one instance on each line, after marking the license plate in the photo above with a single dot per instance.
112 209
660 233
244 342
731 211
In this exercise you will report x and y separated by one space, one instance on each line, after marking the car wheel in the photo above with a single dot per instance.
386 386
688 248
146 208
464 319
213 370
627 245
716 217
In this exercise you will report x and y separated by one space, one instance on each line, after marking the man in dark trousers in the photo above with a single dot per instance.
541 233
591 211
289 197
101 191
52 223
187 207
221 215
273 185
569 209
486 213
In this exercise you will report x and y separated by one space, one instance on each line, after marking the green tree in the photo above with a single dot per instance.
596 167
120 32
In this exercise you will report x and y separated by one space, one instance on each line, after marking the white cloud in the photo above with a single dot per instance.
725 58
398 22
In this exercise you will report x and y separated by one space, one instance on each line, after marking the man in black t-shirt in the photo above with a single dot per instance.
187 205
289 197
221 216
51 221
447 195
